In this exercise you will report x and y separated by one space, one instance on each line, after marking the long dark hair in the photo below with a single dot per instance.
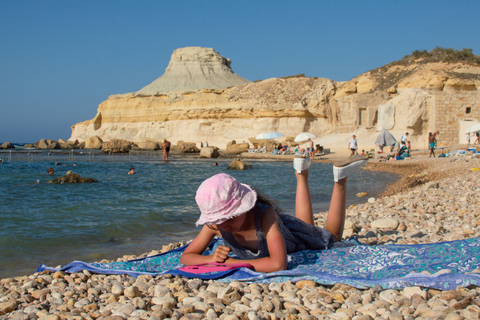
262 199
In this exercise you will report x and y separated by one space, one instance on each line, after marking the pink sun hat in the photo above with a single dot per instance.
222 197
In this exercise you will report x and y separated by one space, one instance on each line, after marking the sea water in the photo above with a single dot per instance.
121 214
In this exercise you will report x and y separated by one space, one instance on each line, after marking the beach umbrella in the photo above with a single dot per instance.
261 136
385 138
269 136
304 136
273 135
473 128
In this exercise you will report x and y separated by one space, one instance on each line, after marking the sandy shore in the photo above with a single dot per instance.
436 199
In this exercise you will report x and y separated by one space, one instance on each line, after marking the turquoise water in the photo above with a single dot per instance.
127 214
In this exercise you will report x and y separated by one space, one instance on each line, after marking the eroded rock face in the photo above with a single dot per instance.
71 178
194 68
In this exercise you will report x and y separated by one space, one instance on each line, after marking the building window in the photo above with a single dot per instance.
468 110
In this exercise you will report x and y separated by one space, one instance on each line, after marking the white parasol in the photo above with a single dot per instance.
473 128
261 136
304 136
273 135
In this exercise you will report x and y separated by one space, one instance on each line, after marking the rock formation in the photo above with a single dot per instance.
117 146
188 103
7 145
209 152
47 144
71 178
195 68
234 147
238 164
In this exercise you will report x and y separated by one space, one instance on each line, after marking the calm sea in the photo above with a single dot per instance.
55 224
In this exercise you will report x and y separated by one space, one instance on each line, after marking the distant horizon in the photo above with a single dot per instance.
60 60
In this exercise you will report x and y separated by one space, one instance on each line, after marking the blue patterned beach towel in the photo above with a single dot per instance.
443 266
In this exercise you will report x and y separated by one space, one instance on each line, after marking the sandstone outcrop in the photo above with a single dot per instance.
47 144
148 145
238 164
7 145
195 68
93 142
237 148
209 152
402 96
71 178
117 146
188 147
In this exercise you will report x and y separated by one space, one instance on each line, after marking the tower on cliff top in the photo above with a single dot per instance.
194 68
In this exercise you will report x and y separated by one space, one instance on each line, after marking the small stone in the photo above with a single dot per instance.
388 295
117 289
385 223
454 316
8 306
132 292
305 283
408 292
187 308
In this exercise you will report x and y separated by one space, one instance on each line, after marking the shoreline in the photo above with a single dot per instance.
434 200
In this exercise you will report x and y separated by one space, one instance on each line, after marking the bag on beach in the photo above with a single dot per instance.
214 266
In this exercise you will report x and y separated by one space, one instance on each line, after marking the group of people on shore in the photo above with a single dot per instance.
401 149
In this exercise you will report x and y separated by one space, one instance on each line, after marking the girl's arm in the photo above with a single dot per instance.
193 254
276 246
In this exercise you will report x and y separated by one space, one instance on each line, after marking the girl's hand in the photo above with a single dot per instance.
220 254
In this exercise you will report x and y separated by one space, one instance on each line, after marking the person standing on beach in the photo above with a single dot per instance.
353 145
435 137
310 149
404 138
468 138
477 136
166 149
431 144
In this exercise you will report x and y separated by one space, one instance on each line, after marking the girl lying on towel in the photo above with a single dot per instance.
255 230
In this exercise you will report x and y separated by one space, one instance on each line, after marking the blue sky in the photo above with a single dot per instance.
60 59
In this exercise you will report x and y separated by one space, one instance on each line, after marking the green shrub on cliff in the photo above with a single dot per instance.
439 54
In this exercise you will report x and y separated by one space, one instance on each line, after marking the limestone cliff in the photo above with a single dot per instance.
195 68
189 104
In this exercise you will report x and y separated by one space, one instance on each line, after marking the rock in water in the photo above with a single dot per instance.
209 152
194 68
72 178
238 164
117 146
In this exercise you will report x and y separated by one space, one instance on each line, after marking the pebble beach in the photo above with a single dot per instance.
436 199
